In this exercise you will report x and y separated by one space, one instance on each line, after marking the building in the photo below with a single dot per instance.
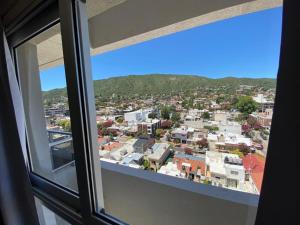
158 155
193 167
134 160
230 127
196 136
225 170
193 121
127 200
132 118
181 134
142 144
149 127
263 103
264 118
220 116
227 141
171 170
57 110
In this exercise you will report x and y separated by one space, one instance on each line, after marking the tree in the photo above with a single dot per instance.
188 151
244 149
211 128
237 152
166 124
172 108
146 164
107 123
65 124
251 121
233 101
246 128
159 133
175 117
120 120
165 112
205 115
185 104
199 106
203 143
220 99
246 105
152 115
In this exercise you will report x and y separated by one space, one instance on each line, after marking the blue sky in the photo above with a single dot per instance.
244 46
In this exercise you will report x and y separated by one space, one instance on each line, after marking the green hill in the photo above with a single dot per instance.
159 84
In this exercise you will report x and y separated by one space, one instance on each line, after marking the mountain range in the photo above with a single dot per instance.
160 84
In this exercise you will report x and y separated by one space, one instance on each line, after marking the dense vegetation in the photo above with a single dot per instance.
158 84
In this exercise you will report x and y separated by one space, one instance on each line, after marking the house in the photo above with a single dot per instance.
181 134
120 153
264 118
227 141
196 136
255 166
230 127
171 170
142 144
158 155
225 170
134 160
193 121
220 116
192 166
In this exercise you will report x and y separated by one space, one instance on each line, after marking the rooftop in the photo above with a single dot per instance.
159 150
132 158
256 165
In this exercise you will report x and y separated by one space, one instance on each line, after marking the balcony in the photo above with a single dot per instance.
142 197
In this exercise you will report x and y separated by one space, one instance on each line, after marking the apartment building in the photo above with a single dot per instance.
149 126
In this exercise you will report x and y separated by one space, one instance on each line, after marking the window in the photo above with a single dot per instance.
140 78
43 83
234 172
192 82
46 216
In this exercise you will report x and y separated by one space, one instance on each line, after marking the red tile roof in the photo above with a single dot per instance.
102 140
256 165
111 145
194 164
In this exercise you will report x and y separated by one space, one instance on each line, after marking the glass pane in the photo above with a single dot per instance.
43 84
184 107
46 216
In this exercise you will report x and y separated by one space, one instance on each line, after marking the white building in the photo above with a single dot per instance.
132 118
171 170
225 170
181 134
223 141
263 102
194 121
220 116
230 127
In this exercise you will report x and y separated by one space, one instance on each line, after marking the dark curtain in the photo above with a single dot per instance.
16 198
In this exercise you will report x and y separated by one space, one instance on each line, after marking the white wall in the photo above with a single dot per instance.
140 197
